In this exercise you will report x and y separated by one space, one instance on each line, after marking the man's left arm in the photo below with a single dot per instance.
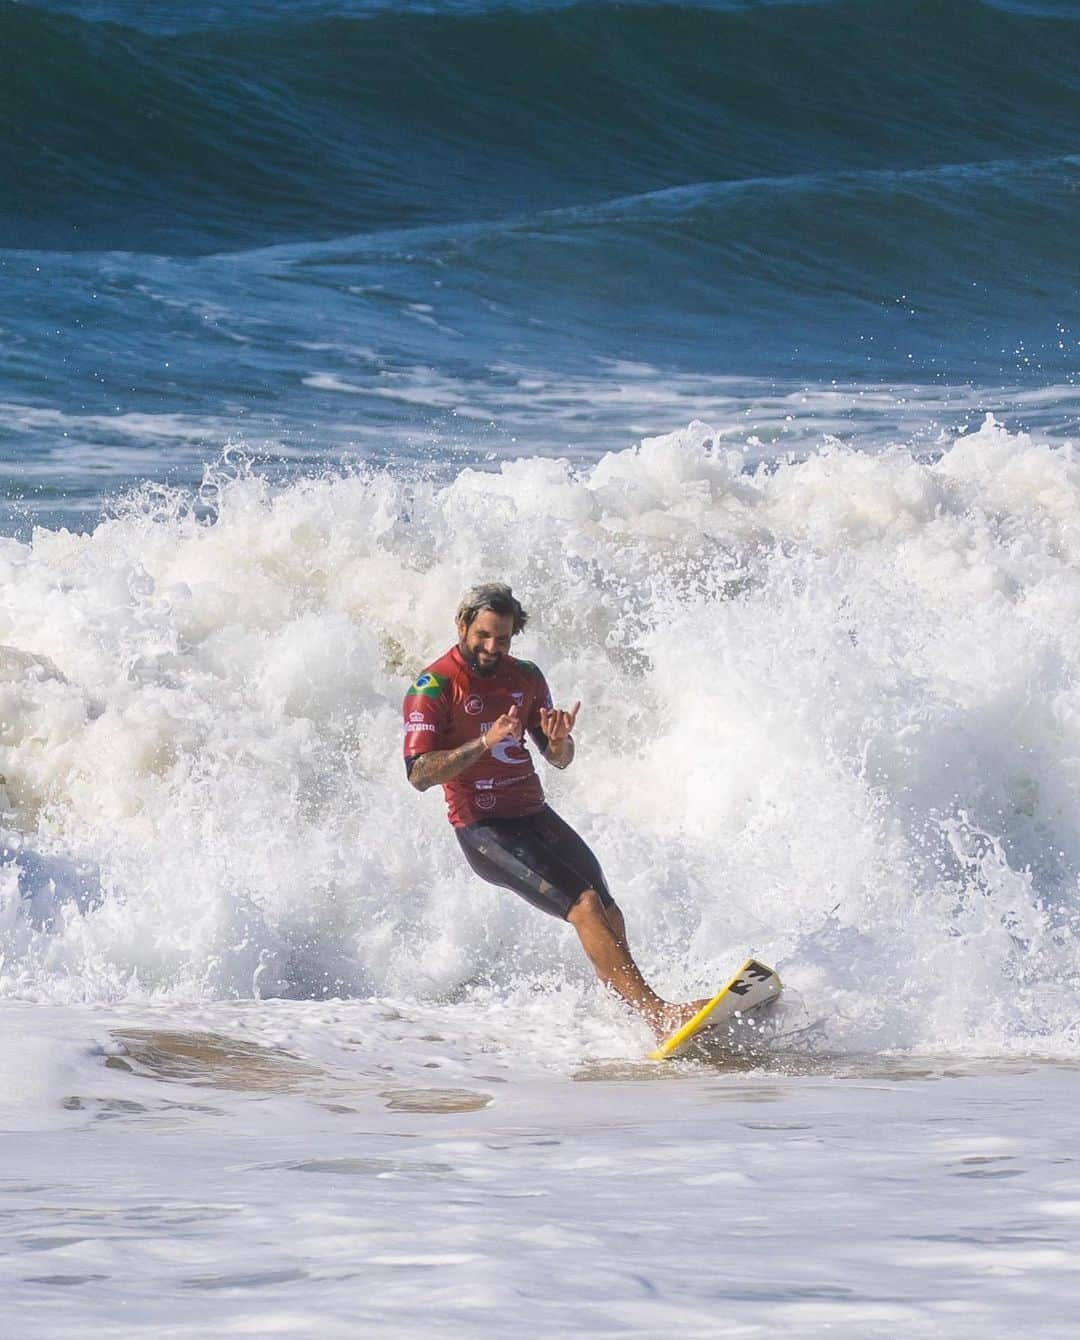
555 726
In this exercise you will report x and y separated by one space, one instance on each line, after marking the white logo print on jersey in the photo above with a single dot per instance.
501 751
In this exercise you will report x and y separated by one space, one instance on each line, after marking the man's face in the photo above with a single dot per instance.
486 640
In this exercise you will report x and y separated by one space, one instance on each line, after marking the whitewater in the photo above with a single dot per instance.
275 1062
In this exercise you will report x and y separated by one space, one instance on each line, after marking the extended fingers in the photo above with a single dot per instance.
557 724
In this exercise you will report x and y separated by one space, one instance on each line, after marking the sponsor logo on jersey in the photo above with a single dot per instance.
416 716
427 685
518 698
474 704
411 727
485 800
484 783
502 751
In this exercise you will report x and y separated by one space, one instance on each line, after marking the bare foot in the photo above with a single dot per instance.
671 1017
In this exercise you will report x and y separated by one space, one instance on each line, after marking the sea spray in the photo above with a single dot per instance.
829 716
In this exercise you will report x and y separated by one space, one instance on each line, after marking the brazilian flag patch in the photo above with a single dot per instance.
427 685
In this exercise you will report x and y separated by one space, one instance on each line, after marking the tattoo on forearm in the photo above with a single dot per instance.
443 765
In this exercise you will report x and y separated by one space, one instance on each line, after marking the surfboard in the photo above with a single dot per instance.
752 985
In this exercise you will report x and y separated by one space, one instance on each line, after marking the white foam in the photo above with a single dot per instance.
829 717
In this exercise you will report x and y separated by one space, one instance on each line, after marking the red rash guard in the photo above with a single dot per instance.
449 704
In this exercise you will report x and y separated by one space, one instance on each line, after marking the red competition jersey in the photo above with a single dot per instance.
450 704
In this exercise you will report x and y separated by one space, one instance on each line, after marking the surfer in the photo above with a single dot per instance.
466 718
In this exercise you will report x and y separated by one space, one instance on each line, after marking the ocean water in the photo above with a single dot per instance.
742 339
441 234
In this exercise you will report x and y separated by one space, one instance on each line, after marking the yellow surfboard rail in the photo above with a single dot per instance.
751 985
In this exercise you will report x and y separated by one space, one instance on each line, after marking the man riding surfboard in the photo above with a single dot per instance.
466 720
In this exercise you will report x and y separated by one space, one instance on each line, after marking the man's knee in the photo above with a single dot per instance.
586 906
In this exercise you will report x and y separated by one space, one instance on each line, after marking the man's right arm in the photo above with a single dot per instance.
443 765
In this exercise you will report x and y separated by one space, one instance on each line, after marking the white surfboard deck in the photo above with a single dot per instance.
752 985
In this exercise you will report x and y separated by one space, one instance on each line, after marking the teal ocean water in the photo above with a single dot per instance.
432 234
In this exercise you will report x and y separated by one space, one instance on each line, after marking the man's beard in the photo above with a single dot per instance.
471 659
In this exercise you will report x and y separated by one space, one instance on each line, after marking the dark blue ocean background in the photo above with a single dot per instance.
432 234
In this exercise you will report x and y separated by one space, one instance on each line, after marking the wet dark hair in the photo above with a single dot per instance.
494 596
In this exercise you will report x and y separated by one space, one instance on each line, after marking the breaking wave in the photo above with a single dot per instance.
831 717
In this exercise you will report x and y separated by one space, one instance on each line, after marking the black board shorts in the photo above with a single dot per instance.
539 856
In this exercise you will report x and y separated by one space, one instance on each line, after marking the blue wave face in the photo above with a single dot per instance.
456 226
301 121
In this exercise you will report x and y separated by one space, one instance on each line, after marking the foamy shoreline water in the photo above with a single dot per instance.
319 1169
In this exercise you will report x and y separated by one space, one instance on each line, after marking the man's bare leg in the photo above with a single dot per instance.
602 933
615 920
